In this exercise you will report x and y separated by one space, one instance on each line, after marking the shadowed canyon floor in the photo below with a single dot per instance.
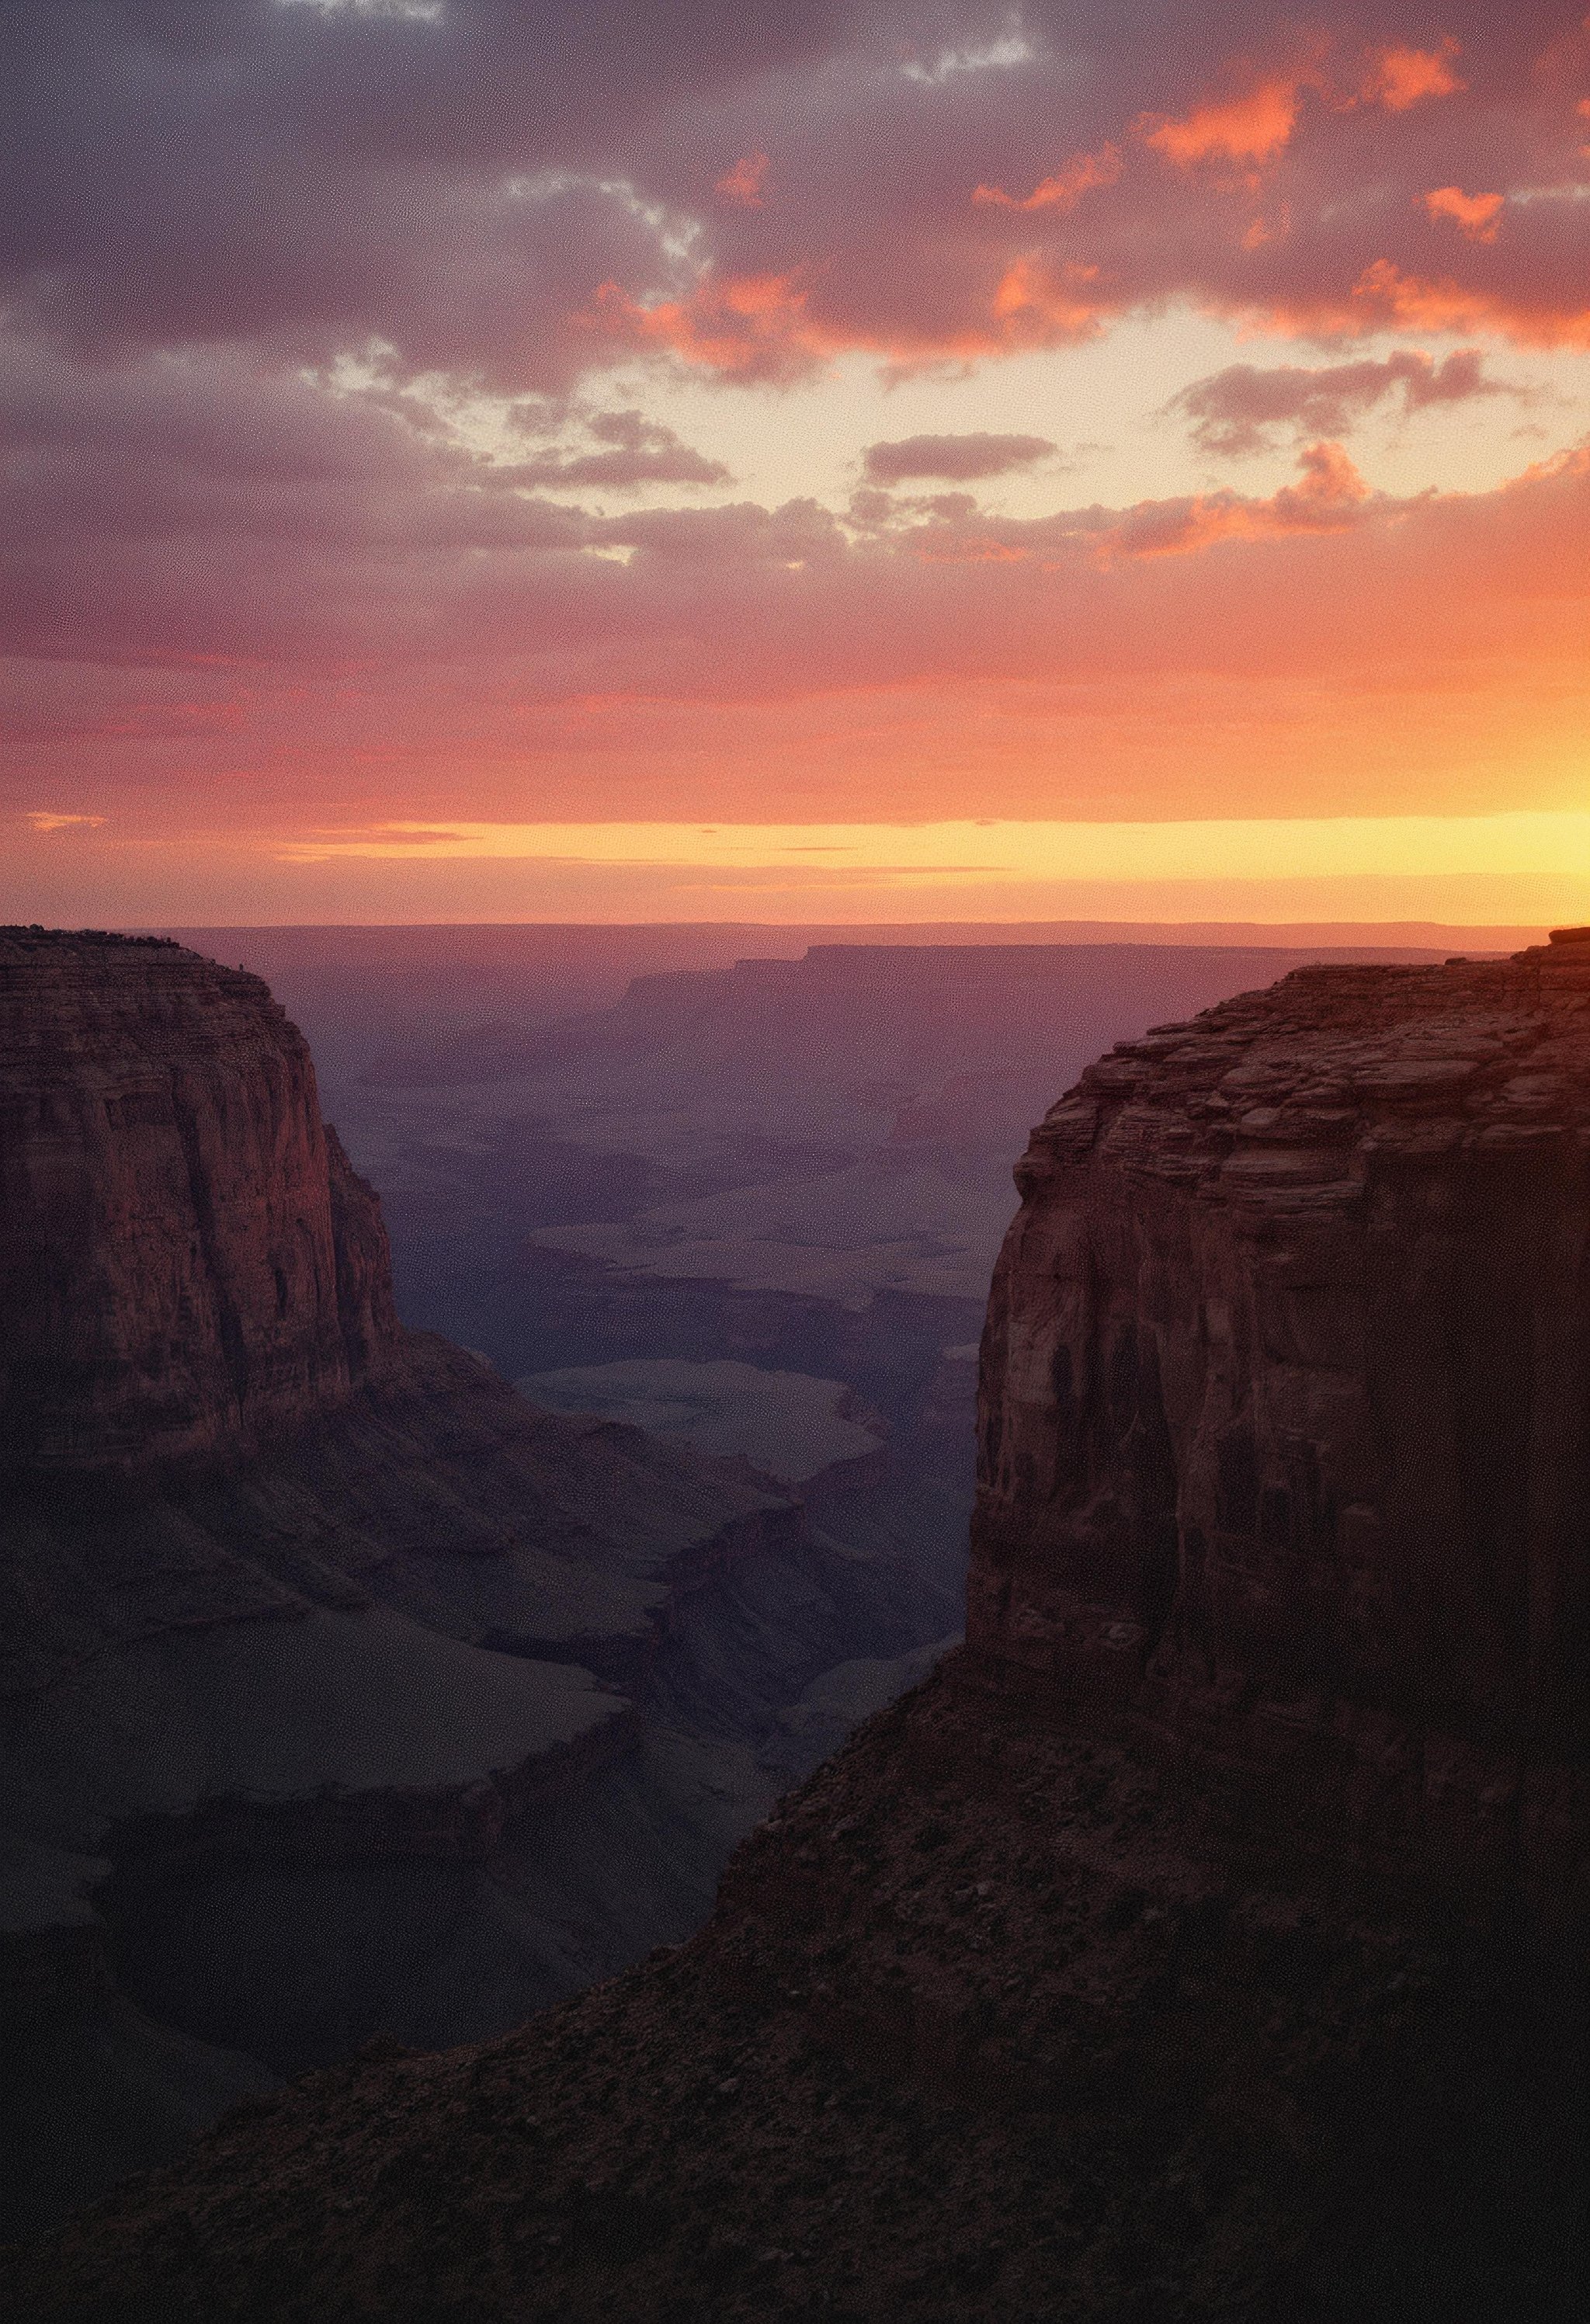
1206 1939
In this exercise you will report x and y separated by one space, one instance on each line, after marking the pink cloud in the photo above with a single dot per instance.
744 186
1399 78
1385 295
1236 411
1475 214
1251 127
1063 191
1330 496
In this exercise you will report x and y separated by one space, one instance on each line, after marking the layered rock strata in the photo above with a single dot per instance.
187 1262
1140 1966
1285 1409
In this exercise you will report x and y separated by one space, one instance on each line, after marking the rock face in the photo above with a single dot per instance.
188 1263
1285 1410
1205 1939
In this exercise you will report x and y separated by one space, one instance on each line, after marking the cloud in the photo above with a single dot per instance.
1237 412
1251 127
264 264
1064 190
43 822
1399 77
960 460
1001 53
637 451
1475 214
744 185
396 655
1387 297
1330 496
522 197
749 327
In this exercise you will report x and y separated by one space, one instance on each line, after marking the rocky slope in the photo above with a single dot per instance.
340 1688
1204 1940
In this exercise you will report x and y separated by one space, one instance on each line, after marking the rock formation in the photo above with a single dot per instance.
1206 1939
262 1791
188 1263
1286 1407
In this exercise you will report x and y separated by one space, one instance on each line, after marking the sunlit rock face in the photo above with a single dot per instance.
187 1262
1285 1405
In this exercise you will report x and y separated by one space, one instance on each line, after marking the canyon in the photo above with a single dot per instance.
1203 1939
343 1691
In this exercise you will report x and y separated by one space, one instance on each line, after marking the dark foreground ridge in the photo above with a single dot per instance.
1206 1939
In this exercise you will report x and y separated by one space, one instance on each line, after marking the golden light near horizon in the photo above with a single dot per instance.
981 850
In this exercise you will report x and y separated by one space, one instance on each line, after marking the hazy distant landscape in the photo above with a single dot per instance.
686 1145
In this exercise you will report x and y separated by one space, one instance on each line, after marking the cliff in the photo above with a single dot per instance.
1205 1939
1285 1429
188 1263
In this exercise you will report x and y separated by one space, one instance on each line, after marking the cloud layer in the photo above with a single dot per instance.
333 489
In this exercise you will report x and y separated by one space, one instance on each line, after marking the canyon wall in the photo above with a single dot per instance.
1285 1407
188 1263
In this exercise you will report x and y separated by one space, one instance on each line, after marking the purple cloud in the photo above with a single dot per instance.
637 451
954 459
1239 410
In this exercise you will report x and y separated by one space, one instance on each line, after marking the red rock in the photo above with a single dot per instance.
188 1261
1285 1404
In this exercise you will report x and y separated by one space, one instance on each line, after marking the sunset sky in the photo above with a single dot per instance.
492 460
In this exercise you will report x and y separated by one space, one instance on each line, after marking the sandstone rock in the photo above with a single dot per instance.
187 1262
1285 1409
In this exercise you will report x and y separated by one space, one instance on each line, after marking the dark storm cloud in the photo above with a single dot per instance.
957 459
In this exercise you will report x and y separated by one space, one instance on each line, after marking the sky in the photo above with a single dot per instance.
500 459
